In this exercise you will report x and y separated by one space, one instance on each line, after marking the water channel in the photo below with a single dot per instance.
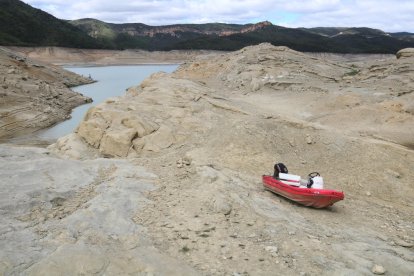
111 81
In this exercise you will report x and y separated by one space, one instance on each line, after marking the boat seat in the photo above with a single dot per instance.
290 179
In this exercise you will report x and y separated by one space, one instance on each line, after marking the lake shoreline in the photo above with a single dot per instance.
34 94
71 65
110 81
84 57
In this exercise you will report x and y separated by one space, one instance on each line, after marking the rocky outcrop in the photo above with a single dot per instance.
149 123
405 53
346 92
34 95
151 116
266 67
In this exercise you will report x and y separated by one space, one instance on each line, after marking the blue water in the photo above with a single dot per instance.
111 81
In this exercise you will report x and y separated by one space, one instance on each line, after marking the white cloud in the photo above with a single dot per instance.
381 14
311 5
388 15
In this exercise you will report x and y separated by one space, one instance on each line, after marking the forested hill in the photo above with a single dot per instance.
215 36
23 25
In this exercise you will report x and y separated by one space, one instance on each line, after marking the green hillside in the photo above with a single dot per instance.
279 36
214 36
137 35
301 40
23 25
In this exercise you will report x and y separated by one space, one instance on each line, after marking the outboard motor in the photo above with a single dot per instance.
315 181
279 168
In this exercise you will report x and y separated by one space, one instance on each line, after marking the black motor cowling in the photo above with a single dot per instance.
279 168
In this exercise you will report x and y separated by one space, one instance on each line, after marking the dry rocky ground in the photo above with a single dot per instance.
167 179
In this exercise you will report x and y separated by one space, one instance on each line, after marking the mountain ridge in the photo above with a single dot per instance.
90 26
23 25
228 37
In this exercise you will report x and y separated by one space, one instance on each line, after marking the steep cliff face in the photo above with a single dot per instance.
34 95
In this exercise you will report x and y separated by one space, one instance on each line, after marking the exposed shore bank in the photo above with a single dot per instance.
34 95
89 57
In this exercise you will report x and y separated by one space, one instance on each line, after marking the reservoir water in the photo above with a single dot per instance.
111 81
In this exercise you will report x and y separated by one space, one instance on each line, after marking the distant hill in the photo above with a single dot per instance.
216 36
363 32
293 38
23 25
138 35
337 31
353 40
404 36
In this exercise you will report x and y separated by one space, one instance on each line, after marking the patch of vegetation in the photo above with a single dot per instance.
353 72
184 249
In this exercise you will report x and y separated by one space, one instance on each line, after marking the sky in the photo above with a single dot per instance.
387 15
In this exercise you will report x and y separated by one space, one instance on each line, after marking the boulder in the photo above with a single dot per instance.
378 270
92 131
405 53
117 142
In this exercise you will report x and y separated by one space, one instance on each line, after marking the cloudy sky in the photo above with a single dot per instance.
388 15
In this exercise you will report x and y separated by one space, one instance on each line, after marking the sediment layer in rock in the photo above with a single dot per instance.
65 56
34 95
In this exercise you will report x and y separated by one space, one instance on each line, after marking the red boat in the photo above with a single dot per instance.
317 198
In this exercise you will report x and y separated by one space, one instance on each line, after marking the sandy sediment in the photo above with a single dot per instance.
180 184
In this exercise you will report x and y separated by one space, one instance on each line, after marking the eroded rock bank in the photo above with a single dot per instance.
181 178
65 56
34 95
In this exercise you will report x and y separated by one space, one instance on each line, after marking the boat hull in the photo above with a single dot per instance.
317 198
